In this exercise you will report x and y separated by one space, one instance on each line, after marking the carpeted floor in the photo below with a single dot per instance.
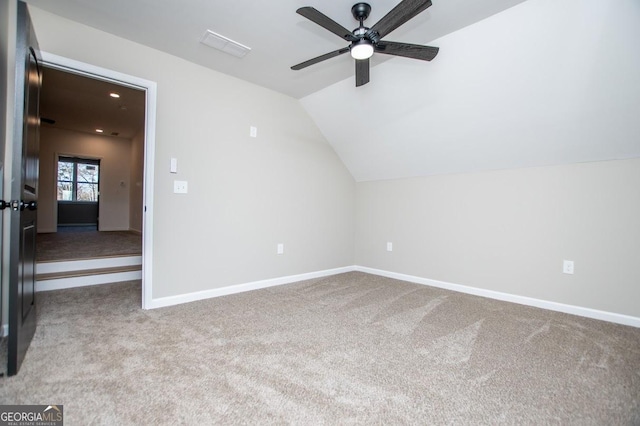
348 349
58 246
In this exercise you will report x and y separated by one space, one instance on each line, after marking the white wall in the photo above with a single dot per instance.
137 182
544 82
245 195
115 163
509 231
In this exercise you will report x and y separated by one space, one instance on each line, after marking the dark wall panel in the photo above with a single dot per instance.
70 213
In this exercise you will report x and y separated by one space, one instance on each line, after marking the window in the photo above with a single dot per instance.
78 179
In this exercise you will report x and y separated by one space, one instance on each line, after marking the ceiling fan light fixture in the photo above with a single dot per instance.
361 49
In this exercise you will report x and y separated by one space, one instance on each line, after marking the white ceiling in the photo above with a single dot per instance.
279 37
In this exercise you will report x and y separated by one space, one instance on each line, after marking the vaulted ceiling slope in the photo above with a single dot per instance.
278 37
543 83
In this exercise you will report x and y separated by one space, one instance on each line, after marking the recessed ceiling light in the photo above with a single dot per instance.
99 130
114 95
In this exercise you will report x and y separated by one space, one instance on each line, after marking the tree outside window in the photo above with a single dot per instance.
78 179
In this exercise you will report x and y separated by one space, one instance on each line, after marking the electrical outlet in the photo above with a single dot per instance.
567 267
389 246
280 249
180 187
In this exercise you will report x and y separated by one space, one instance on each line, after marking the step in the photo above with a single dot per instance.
85 264
86 272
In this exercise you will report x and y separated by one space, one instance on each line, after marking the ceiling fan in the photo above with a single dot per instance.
365 41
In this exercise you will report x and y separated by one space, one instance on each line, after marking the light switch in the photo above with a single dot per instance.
253 131
389 246
280 249
180 186
174 165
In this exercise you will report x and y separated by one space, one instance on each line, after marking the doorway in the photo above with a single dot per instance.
135 185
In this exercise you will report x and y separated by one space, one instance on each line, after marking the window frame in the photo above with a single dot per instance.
74 182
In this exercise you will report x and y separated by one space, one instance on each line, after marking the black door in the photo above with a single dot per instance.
24 193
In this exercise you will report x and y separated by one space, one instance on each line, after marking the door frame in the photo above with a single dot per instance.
150 87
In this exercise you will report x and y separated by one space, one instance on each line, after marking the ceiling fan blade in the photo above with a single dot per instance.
400 14
362 72
320 59
325 22
414 51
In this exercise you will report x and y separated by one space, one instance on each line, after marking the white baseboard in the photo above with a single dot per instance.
240 288
522 300
255 285
135 231
88 280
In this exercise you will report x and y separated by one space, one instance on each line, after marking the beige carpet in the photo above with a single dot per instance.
59 246
348 349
